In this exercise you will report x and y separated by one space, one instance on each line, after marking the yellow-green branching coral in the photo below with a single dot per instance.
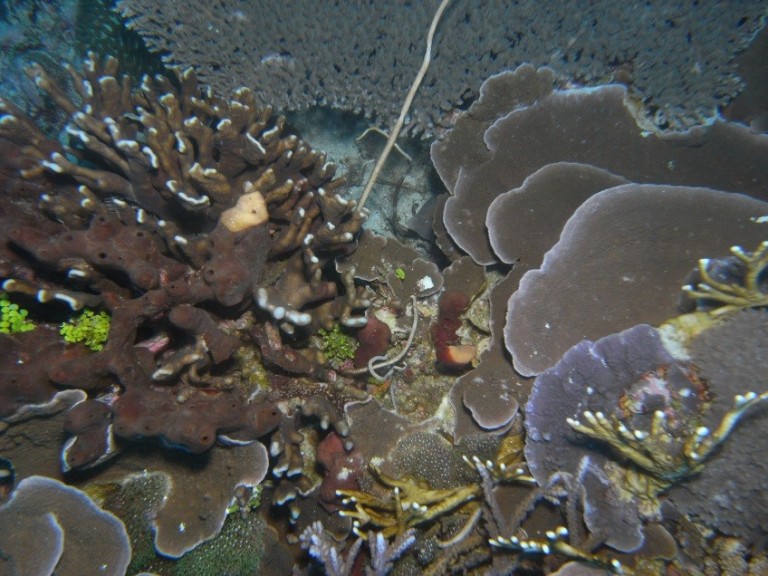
89 328
13 319
336 345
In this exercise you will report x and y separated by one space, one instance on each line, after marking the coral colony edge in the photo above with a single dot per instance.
530 340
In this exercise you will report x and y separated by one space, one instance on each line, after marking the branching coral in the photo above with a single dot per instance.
410 504
657 451
323 548
90 328
168 197
735 282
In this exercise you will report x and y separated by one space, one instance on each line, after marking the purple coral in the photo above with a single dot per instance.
592 376
655 402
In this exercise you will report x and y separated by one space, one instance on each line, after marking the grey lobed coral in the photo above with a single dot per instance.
72 534
502 140
633 245
356 55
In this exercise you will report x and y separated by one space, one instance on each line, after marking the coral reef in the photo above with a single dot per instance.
205 158
171 211
204 353
486 399
323 548
592 127
731 358
409 504
654 411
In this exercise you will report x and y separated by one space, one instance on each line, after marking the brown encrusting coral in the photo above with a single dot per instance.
175 210
179 198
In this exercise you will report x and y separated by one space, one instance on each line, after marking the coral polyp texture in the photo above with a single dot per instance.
355 55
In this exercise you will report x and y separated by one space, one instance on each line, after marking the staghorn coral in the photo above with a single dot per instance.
323 548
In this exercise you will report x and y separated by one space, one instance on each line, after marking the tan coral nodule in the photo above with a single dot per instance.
250 210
